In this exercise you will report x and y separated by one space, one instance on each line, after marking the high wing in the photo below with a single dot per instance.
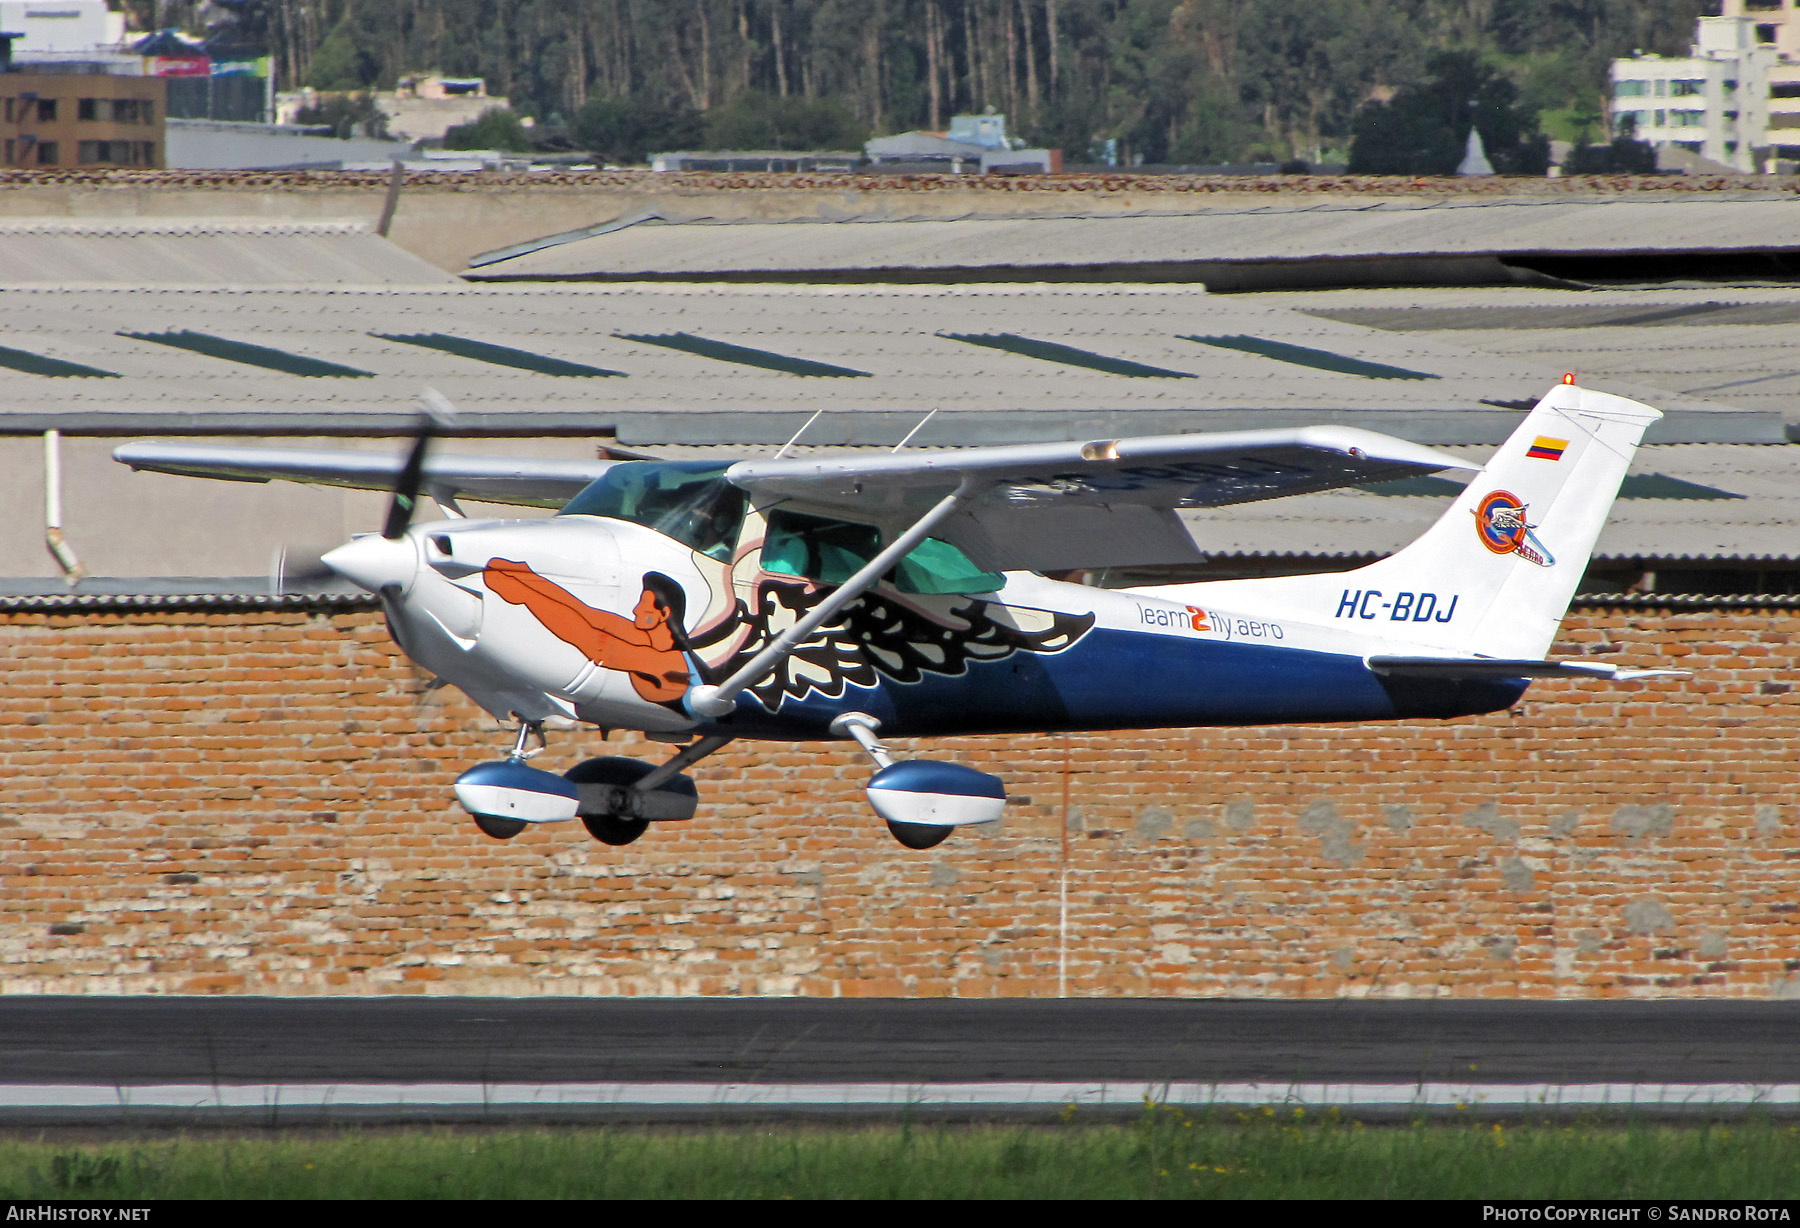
518 481
1050 507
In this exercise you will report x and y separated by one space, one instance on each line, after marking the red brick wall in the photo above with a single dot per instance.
258 801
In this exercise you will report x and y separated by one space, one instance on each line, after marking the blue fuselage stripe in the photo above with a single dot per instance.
1128 680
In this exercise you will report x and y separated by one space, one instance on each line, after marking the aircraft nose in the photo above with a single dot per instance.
376 562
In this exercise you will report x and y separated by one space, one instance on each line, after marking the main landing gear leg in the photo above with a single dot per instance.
922 801
527 731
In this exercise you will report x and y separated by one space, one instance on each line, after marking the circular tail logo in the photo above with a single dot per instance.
1501 524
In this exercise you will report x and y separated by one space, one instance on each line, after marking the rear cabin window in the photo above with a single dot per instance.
830 551
688 500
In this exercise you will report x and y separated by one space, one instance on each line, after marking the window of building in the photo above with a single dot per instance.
6 108
1761 6
1662 88
1687 88
89 108
1631 89
46 153
1662 118
1687 119
1765 34
46 110
1730 85
119 153
1785 89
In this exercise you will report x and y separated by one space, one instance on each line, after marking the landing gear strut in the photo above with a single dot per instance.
501 827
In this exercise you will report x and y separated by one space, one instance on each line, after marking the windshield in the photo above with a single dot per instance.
688 500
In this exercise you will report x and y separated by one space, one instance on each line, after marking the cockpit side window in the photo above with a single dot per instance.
831 551
689 501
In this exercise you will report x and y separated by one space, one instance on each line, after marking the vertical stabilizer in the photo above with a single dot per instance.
1515 544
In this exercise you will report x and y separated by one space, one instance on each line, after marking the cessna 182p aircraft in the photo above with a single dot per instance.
910 594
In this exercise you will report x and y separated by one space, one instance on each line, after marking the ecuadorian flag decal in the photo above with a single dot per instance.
1546 448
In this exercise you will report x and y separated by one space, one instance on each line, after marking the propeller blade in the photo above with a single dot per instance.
298 569
408 485
436 412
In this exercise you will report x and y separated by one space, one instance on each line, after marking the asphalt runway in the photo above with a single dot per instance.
402 1055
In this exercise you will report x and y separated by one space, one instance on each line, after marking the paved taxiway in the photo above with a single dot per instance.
271 1060
112 1041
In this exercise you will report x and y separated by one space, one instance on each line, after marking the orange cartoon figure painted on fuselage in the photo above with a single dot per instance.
648 645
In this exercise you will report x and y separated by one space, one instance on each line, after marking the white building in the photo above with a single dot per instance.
1714 102
60 29
1777 28
419 108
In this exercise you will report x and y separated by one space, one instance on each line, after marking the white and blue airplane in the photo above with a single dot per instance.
911 595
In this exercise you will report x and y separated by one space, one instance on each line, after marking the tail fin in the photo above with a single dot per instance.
1512 548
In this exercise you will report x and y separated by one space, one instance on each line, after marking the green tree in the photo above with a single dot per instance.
626 129
1623 156
494 128
348 114
761 121
1424 129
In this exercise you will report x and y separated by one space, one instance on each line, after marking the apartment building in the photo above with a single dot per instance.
81 119
1714 102
1778 30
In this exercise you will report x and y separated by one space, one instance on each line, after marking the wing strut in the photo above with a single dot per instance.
720 700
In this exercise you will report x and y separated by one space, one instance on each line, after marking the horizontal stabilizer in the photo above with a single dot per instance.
1474 668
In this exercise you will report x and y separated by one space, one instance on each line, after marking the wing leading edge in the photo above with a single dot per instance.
518 481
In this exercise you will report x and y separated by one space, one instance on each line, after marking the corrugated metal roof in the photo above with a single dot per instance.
1737 346
128 251
1278 231
1764 524
896 334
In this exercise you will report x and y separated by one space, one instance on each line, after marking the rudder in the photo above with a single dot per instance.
1514 545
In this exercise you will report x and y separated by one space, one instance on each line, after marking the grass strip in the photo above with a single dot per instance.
1167 1153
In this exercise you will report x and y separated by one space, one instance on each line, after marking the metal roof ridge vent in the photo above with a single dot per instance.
1052 351
725 351
55 368
1307 356
500 355
248 353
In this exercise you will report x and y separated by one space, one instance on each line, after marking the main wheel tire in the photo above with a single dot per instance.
617 770
499 828
611 829
920 835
